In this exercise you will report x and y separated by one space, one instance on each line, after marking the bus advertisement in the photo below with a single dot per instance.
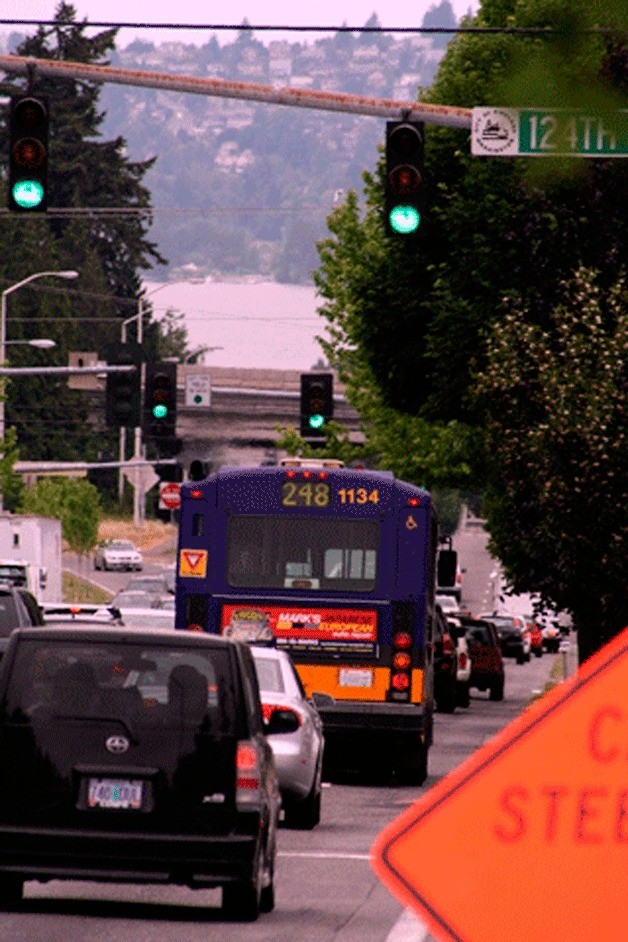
337 566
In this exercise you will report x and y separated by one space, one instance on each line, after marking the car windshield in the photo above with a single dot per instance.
147 585
142 684
121 545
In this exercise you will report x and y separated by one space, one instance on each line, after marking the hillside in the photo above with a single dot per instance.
244 188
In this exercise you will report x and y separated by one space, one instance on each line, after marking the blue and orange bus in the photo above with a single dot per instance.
338 564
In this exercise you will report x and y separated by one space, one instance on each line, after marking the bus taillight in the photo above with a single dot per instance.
400 682
403 639
194 627
401 661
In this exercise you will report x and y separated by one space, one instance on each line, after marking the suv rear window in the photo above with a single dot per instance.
137 683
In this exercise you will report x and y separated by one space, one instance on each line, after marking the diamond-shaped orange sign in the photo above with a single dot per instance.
527 840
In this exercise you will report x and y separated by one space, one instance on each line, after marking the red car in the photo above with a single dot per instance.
536 637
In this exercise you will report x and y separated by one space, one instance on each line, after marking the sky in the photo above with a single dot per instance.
280 12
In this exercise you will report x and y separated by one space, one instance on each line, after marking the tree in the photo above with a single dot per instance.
492 227
556 501
75 502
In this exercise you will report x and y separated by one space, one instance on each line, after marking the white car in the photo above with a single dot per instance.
118 554
448 604
152 618
298 754
463 669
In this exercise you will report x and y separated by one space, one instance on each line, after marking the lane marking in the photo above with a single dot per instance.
322 855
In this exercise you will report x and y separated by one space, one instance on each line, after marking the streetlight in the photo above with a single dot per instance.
40 343
3 328
139 317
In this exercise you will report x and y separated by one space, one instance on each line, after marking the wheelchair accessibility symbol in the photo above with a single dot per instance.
411 523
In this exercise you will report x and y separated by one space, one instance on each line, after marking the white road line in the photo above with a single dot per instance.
408 929
322 855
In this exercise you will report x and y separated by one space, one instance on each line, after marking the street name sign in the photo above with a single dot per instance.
197 390
528 839
548 132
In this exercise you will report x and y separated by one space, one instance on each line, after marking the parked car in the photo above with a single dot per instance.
513 636
487 663
299 752
445 664
137 758
463 665
156 585
117 554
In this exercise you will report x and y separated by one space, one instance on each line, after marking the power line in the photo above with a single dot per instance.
283 28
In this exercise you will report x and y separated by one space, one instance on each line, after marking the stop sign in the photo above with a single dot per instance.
169 495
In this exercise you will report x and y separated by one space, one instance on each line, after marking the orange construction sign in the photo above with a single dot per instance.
528 839
193 563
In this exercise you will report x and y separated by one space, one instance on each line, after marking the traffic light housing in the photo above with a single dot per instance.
123 390
160 399
317 403
405 178
28 154
447 568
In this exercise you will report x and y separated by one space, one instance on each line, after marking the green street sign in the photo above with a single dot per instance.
548 132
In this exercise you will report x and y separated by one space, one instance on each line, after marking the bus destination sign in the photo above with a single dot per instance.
548 132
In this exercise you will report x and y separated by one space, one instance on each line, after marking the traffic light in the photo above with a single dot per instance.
405 177
123 390
317 403
447 568
160 399
28 154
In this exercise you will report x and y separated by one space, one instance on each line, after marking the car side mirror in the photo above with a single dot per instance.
282 721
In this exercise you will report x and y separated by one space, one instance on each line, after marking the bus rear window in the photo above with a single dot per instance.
302 552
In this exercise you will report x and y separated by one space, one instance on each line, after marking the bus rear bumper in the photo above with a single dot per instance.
341 718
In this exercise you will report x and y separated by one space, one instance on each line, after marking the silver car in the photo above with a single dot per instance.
117 554
298 754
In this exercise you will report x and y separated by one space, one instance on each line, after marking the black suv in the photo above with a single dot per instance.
136 757
487 663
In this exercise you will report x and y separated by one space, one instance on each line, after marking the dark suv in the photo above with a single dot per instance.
487 663
136 757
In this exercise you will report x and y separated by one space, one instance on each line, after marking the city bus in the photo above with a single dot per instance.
337 566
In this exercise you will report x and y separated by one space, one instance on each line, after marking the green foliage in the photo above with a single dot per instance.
74 501
11 485
556 438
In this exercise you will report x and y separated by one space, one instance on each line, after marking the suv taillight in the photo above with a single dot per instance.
269 708
248 781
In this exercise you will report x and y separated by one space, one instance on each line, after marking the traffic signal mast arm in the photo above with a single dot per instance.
444 115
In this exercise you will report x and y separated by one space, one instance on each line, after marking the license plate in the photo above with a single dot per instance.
115 793
354 677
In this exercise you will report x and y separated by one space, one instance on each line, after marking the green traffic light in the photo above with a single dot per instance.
404 219
28 194
316 421
160 411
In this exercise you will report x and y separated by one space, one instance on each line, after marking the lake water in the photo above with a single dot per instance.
261 325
